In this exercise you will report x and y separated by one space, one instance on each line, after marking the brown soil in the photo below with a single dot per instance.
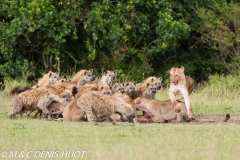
217 118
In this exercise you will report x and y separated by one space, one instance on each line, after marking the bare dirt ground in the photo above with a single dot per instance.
217 118
206 119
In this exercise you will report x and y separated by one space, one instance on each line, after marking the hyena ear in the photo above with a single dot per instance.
160 79
56 73
70 81
123 84
98 78
91 70
62 80
110 87
74 91
114 71
127 84
85 72
148 84
134 83
101 88
152 80
105 73
50 74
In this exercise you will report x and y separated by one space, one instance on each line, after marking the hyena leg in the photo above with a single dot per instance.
38 112
21 114
114 120
28 113
24 110
90 115
16 110
46 112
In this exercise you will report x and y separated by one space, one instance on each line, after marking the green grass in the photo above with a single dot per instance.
203 141
124 141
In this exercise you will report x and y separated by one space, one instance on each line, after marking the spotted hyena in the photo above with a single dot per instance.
154 80
108 77
129 88
97 106
39 98
105 89
82 77
148 90
118 87
48 79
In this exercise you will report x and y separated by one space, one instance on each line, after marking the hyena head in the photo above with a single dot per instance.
106 89
109 77
118 87
53 77
96 80
152 88
177 75
126 113
129 87
88 75
64 81
66 97
157 82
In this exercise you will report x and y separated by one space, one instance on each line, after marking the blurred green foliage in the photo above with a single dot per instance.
138 38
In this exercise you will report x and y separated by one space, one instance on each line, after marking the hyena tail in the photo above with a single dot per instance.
17 90
227 118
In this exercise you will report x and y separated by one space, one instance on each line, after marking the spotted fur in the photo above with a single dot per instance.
48 79
118 87
148 90
98 106
82 77
105 89
108 77
39 98
129 88
154 80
